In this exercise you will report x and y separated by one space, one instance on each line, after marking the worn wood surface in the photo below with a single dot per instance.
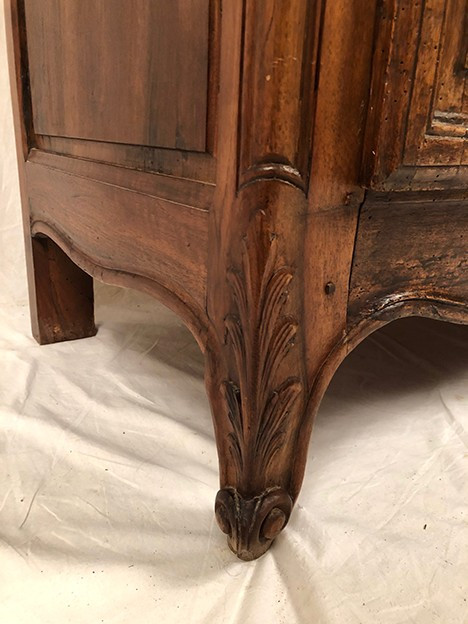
279 65
417 116
232 183
156 239
304 231
408 249
64 295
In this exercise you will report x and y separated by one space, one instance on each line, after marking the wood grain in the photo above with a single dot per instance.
293 180
157 239
85 55
64 294
407 249
279 66
417 86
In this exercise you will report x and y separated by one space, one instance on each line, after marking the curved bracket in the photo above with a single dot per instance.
437 309
190 313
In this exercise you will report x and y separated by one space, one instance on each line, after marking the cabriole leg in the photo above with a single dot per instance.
257 385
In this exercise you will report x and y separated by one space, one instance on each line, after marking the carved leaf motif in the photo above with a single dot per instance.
235 416
261 335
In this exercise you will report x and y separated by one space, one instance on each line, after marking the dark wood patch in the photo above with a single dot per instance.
409 249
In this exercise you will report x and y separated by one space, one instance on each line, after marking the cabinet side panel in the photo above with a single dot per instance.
126 71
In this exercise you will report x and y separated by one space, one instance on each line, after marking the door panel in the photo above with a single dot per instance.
437 124
418 123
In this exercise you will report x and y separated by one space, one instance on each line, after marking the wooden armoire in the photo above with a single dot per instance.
286 175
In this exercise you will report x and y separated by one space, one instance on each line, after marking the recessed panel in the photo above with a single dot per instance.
417 123
438 117
120 71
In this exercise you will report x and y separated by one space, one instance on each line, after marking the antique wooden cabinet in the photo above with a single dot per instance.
286 175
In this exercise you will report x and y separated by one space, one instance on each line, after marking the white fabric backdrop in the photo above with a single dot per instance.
108 473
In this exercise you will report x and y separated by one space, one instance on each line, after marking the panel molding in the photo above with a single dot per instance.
193 165
277 102
200 167
416 118
434 133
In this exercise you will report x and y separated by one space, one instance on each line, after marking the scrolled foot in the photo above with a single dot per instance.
252 524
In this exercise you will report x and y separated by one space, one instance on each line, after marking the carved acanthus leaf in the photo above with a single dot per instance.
260 334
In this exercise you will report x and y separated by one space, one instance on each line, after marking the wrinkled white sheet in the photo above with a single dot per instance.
108 473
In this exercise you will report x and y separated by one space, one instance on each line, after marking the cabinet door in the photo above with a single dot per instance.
123 81
418 117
